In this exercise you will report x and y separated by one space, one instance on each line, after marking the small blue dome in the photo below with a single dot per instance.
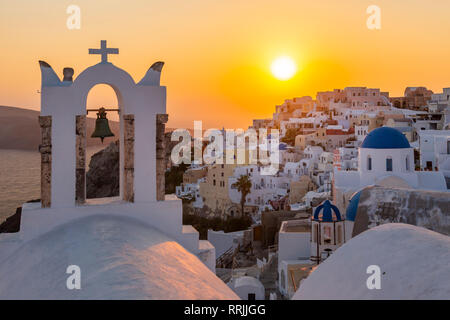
352 208
385 138
327 214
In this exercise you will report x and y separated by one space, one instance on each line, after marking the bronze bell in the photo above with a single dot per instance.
102 129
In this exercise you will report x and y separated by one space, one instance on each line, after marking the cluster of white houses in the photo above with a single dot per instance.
345 141
328 150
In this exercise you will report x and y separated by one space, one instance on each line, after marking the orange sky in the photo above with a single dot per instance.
218 53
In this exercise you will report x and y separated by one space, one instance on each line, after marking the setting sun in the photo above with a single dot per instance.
283 68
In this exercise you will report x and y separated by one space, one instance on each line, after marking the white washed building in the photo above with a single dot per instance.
307 125
385 158
191 191
439 101
435 150
294 247
264 187
346 158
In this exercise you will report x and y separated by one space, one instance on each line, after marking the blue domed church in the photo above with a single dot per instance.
327 231
385 159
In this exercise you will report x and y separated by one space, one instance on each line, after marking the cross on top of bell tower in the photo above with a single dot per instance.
104 51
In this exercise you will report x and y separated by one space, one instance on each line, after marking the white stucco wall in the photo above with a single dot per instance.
293 245
243 286
223 241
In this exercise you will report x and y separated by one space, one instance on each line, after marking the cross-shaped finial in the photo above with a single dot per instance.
104 51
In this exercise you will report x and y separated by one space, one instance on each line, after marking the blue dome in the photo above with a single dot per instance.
327 214
352 208
385 138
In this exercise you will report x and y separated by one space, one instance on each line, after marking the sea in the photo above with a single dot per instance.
20 173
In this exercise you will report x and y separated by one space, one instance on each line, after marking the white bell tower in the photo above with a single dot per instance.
142 113
327 231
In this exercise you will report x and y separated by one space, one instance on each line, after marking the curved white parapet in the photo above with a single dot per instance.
49 77
153 75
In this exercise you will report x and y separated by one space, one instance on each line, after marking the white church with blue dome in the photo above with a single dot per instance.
385 159
327 231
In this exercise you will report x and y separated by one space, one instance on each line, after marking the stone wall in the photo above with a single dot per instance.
128 179
423 208
45 148
80 166
161 120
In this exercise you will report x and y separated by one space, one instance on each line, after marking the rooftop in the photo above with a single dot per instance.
385 138
120 258
296 226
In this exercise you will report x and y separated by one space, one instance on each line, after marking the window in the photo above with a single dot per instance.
214 182
389 164
339 234
326 235
407 163
369 163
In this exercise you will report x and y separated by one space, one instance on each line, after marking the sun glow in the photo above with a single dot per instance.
283 68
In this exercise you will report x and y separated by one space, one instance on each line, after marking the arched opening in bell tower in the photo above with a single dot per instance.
102 143
104 170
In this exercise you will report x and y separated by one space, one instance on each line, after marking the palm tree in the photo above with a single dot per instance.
244 186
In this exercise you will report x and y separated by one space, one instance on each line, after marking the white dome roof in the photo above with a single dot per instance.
413 262
120 258
248 281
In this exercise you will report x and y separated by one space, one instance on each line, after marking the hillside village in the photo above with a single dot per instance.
350 159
